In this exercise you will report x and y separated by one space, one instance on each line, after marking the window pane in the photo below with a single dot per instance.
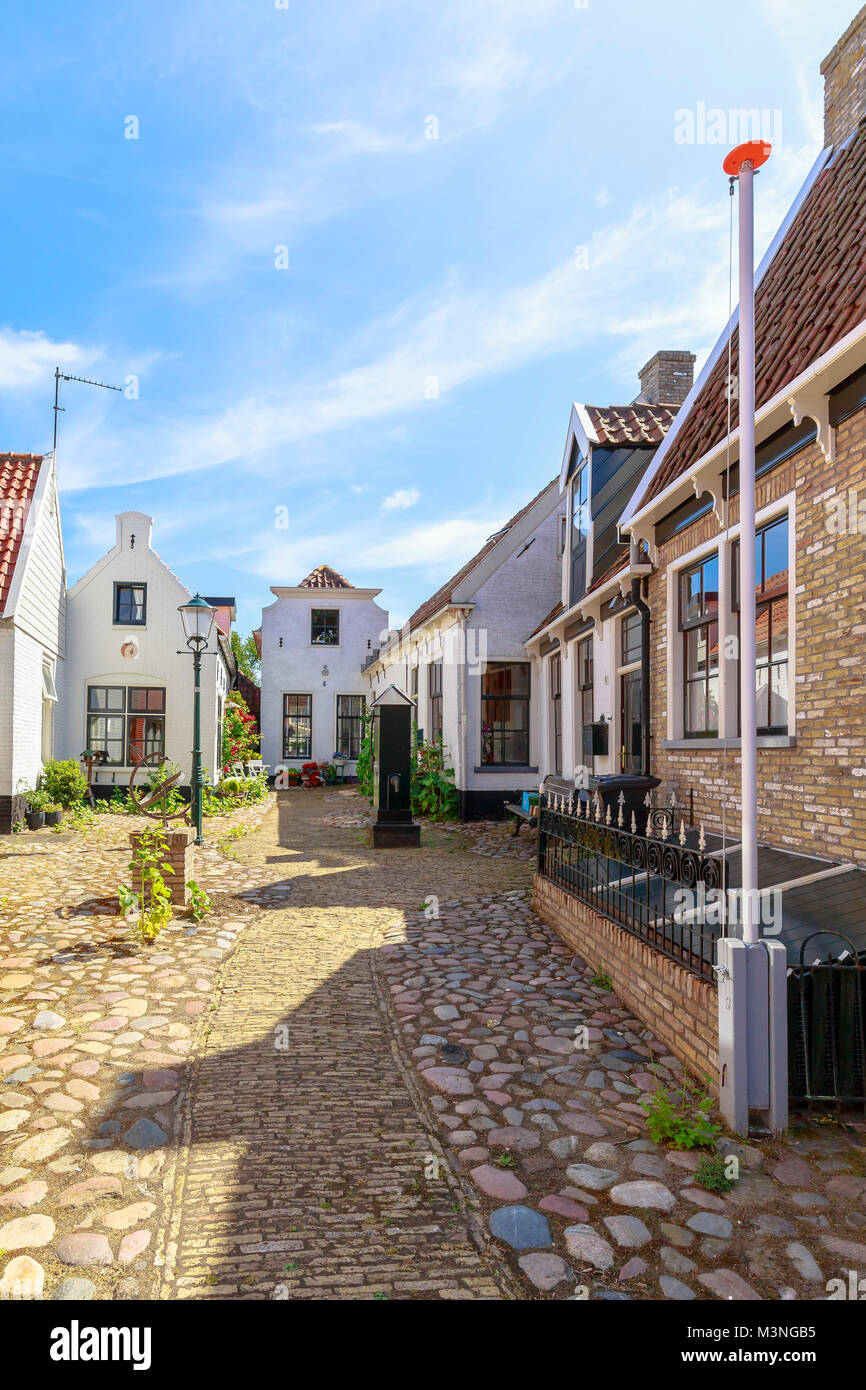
109 697
129 603
711 585
506 678
762 636
146 737
779 630
145 698
105 734
325 627
779 697
630 644
690 595
775 556
696 708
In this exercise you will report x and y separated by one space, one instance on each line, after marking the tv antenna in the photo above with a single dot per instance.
64 376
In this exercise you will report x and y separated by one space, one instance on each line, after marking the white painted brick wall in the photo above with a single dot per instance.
295 668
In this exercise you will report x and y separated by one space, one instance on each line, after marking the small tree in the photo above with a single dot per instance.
240 736
64 782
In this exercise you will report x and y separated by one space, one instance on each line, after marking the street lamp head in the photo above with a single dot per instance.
197 617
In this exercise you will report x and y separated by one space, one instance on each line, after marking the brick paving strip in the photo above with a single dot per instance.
325 1092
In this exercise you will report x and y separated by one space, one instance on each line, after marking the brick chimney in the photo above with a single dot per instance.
667 378
844 74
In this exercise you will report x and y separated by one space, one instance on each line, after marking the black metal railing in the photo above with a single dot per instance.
826 1012
634 879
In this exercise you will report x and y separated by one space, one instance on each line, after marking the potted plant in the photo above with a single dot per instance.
37 802
293 777
53 813
310 775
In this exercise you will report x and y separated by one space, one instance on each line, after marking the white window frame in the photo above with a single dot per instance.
723 543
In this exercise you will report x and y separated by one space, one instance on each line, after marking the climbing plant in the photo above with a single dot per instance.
433 791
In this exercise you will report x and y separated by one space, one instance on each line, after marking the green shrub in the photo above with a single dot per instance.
64 782
681 1118
433 791
710 1174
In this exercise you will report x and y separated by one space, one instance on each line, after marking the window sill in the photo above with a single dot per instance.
509 768
762 741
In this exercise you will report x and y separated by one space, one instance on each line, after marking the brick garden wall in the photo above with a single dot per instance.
680 1008
811 797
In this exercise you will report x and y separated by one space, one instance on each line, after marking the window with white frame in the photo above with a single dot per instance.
771 624
706 611
699 628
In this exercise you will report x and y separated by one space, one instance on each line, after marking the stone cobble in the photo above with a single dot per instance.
96 1030
545 1121
367 1075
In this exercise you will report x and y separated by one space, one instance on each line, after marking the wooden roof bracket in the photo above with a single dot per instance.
812 401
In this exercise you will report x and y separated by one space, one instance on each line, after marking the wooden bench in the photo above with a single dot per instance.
551 783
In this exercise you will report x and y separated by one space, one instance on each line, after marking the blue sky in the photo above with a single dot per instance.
404 385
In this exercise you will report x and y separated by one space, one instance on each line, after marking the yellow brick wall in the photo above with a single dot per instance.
811 797
679 1007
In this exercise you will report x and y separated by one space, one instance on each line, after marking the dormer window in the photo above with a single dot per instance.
325 627
130 604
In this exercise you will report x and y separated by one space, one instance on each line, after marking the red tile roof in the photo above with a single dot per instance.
625 425
442 595
323 577
812 294
19 474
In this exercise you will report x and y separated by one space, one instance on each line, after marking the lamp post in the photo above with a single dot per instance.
197 617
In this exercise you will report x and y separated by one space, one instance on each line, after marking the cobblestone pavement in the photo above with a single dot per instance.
95 1033
359 1079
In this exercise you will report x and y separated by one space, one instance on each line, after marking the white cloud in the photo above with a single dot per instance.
658 276
401 499
27 359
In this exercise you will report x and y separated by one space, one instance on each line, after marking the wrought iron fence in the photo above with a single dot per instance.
826 1010
634 878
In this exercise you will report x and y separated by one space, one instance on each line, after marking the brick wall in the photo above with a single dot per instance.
680 1008
844 74
812 796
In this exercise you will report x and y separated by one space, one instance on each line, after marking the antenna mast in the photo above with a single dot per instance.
63 376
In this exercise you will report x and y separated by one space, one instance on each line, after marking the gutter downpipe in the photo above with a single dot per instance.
643 609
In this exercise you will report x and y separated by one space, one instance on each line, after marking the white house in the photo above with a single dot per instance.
462 657
314 643
32 595
592 648
129 679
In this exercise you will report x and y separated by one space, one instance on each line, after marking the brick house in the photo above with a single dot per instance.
811 523
608 892
32 624
461 657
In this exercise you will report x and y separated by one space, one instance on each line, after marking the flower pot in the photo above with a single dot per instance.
53 817
35 820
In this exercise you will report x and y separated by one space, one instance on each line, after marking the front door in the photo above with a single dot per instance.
631 728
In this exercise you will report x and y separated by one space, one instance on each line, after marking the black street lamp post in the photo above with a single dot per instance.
197 617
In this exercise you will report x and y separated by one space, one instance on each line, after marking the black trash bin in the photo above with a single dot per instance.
634 787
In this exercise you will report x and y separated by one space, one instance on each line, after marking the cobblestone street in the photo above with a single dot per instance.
358 1078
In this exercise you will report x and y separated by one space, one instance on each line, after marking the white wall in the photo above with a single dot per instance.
32 633
94 655
511 591
295 668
